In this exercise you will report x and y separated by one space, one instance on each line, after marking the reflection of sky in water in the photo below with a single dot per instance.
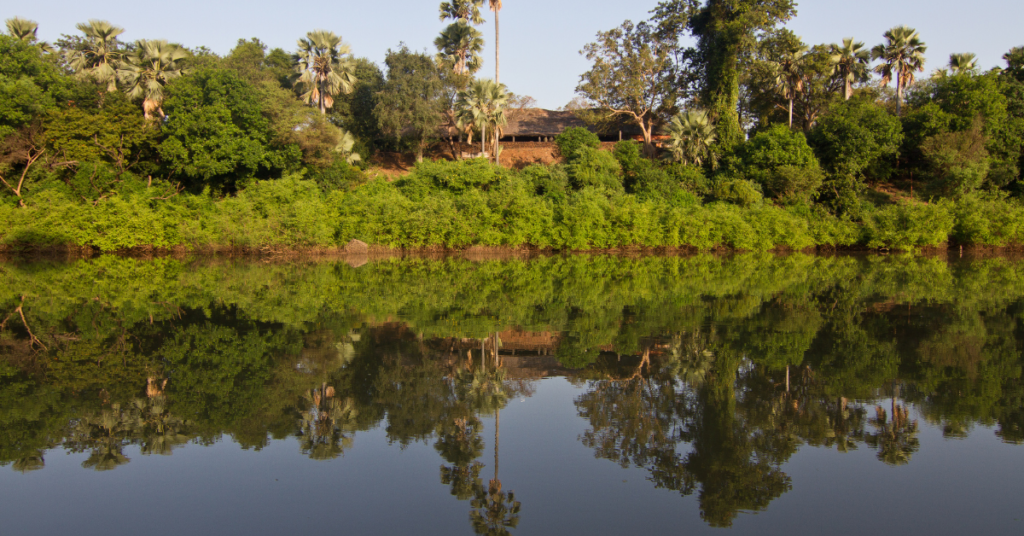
971 485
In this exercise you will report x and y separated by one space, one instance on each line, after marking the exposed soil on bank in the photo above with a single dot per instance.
517 155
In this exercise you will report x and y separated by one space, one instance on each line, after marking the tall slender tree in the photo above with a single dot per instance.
324 68
901 55
145 71
496 8
459 47
100 56
789 76
850 63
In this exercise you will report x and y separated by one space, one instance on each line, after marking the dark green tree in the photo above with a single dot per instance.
409 105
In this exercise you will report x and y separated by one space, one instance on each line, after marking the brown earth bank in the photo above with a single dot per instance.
360 256
516 155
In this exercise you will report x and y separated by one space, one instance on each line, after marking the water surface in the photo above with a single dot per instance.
750 394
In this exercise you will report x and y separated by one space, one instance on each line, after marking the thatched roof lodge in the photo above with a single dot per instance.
538 124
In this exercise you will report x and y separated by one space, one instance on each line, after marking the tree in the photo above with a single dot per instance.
631 76
901 55
1015 63
467 11
324 69
25 30
691 136
100 55
725 30
789 76
496 8
850 63
459 47
963 63
409 105
217 133
147 69
483 104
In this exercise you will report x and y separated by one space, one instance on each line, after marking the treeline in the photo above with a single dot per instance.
113 145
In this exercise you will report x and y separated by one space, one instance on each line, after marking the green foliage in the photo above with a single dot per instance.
780 160
859 138
340 175
594 167
908 226
572 140
988 221
409 103
738 191
957 161
216 133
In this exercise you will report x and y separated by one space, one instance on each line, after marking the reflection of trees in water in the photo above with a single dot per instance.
145 422
641 419
895 435
328 423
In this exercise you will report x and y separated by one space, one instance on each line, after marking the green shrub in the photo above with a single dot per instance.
991 221
857 137
593 167
780 160
908 226
572 140
340 175
690 178
548 181
738 191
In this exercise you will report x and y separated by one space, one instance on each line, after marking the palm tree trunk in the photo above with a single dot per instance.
899 94
790 124
848 89
497 432
497 49
483 137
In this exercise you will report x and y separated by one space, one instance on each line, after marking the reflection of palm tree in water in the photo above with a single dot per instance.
896 438
494 511
326 423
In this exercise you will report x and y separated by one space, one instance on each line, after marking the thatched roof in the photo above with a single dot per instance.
539 122
530 122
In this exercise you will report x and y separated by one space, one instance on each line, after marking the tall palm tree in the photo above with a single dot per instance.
25 30
467 11
850 62
690 137
482 105
146 70
459 47
901 55
99 57
496 8
324 68
789 76
963 63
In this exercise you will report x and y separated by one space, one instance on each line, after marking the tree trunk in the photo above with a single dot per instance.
483 137
791 113
497 49
848 89
899 94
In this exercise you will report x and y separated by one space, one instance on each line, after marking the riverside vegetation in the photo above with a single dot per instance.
113 146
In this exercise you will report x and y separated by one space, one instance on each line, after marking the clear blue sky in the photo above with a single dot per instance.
541 39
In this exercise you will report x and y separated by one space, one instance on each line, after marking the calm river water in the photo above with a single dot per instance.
749 394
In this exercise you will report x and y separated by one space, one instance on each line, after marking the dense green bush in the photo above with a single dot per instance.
908 226
738 191
593 167
779 160
572 140
857 138
988 221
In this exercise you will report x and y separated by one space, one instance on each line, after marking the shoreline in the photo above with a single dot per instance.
472 253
